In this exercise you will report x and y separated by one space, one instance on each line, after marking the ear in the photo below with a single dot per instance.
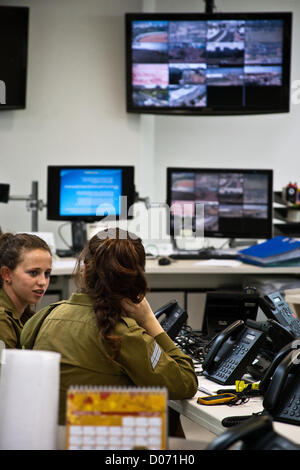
5 273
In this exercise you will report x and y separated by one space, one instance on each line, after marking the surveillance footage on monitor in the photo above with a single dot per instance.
221 202
230 63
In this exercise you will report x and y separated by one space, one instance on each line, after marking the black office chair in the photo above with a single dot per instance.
255 433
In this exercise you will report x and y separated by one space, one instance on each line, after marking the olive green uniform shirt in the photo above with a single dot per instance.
71 330
11 324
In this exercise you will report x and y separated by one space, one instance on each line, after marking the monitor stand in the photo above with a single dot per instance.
79 236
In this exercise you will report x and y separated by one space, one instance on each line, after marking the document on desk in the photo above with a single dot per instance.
208 387
219 262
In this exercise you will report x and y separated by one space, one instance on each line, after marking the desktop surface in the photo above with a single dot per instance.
197 266
212 417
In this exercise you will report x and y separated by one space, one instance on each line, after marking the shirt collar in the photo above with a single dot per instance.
6 301
82 299
7 304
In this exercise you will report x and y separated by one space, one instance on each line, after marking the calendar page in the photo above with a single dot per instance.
116 418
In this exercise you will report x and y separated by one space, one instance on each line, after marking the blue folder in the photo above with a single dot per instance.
274 251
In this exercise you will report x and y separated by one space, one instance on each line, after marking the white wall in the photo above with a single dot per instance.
75 100
76 108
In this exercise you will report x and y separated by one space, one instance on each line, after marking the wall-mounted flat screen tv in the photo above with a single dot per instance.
14 23
208 64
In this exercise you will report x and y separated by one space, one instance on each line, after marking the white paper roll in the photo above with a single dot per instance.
29 391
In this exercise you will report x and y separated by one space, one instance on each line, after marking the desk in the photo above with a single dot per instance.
205 274
209 273
210 417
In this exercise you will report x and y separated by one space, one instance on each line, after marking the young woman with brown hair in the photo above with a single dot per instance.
25 268
107 333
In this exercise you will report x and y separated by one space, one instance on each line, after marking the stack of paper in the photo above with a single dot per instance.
278 251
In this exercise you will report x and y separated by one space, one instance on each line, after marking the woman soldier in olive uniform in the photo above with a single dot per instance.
25 267
107 334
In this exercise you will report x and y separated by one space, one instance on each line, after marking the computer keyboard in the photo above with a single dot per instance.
205 254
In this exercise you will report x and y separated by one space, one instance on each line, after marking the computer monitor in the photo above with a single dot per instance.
208 64
219 202
90 193
85 194
14 27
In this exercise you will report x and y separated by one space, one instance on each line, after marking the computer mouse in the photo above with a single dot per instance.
164 261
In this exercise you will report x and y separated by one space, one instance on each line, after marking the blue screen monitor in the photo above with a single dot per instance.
90 193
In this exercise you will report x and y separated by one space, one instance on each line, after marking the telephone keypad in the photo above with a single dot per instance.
228 365
293 322
292 409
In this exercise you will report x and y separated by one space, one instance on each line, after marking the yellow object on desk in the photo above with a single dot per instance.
116 418
240 386
219 399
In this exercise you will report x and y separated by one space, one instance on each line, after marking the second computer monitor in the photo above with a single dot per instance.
90 193
223 203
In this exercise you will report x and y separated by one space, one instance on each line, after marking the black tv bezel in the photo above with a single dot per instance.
53 192
268 233
211 111
24 11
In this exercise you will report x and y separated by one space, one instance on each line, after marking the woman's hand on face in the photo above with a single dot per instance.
142 313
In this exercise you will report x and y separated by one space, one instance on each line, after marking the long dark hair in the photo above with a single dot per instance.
113 264
13 247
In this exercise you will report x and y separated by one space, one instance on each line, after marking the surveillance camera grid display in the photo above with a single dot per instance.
232 201
181 63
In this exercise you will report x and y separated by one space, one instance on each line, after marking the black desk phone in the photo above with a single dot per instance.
174 317
277 336
251 346
275 307
232 351
281 385
255 433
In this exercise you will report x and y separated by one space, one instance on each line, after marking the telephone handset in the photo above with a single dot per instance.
281 386
174 318
255 433
266 379
275 307
232 351
277 337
